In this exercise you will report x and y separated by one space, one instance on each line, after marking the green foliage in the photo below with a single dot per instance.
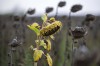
49 59
44 17
37 55
28 58
34 27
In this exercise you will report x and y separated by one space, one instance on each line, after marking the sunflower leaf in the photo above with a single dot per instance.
44 17
37 31
37 55
49 59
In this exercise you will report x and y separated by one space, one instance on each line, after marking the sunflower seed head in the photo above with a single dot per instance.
49 9
90 17
16 18
14 42
30 11
61 3
78 32
76 8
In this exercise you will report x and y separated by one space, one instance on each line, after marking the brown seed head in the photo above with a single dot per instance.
90 17
61 4
51 28
16 18
31 11
76 8
78 32
49 9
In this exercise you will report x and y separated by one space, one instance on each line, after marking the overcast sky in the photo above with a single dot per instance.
9 6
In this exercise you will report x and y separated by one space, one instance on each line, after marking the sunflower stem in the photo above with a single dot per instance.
35 63
56 13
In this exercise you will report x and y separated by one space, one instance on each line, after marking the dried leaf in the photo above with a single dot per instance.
52 37
31 47
49 59
52 19
43 44
37 55
48 45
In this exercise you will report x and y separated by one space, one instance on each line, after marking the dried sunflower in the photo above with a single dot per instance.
49 9
31 11
62 3
78 32
76 7
88 19
51 28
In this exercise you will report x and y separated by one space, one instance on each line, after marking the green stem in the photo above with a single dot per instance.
11 58
72 50
37 46
69 18
72 46
35 63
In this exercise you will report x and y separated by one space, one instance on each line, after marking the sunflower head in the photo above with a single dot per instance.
51 28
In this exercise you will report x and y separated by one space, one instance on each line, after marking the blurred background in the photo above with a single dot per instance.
15 15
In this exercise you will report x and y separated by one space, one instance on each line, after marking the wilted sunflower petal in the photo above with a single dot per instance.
52 37
48 44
